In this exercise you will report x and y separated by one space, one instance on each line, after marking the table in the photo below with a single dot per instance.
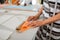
10 21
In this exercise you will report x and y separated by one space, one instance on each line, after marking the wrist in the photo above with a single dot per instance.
42 23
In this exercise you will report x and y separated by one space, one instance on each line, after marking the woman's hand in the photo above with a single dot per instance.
35 23
31 18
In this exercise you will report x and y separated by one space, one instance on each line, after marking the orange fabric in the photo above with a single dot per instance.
24 27
13 1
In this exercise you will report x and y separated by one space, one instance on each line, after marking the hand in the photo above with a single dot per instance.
35 23
31 18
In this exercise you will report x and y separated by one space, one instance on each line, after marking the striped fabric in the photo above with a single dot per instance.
47 32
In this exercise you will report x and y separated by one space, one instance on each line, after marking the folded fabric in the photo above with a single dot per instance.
23 27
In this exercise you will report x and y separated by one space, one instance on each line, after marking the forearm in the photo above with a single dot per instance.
39 12
51 19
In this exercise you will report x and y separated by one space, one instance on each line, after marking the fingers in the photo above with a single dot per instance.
35 23
35 18
30 18
32 24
